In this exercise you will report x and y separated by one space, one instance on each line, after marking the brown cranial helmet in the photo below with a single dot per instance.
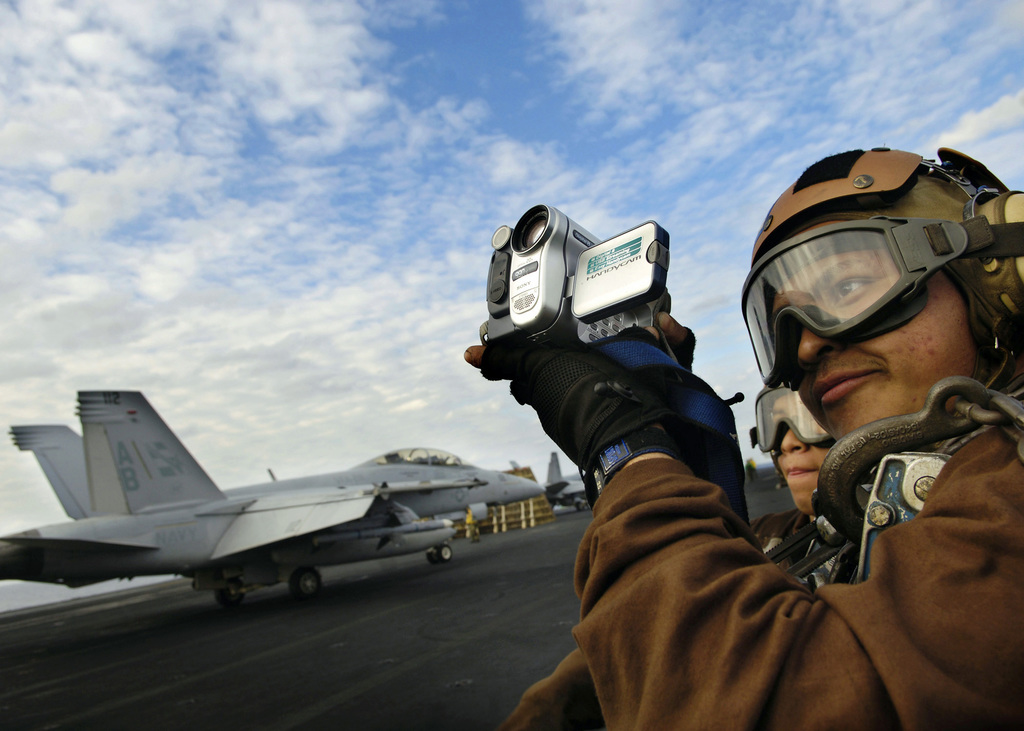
858 185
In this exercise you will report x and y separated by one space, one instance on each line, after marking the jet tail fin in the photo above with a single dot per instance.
133 460
59 452
554 469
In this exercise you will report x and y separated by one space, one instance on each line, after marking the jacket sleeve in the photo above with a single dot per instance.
685 623
563 701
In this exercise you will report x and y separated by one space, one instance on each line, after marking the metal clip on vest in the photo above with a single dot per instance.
898 495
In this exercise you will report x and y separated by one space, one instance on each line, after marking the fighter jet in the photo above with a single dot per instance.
144 506
564 491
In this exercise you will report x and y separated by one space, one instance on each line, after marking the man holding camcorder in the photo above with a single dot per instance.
684 621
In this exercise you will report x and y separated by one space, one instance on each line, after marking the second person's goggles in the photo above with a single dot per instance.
852 280
777 408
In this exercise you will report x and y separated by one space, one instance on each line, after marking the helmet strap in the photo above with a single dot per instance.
994 366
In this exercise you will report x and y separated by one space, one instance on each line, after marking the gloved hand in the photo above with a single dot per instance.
601 404
585 400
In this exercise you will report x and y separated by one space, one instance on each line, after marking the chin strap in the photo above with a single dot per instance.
705 431
994 366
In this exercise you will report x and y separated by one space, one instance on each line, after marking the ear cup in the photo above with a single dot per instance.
994 289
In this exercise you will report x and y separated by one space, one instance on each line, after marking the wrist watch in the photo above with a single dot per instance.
613 457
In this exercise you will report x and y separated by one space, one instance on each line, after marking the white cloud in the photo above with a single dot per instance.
104 52
166 274
833 69
97 201
624 53
1011 17
306 66
1005 114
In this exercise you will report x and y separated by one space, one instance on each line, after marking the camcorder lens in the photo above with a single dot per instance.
535 231
530 230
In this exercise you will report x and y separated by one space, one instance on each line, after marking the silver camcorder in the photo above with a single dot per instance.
551 281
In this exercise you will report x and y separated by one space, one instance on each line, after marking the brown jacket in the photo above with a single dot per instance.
773 528
685 623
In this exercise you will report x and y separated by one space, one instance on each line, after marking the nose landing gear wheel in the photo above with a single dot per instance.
439 554
304 583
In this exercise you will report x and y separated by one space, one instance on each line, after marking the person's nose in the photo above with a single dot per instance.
790 443
813 348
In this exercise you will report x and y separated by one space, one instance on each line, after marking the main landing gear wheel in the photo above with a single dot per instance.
230 596
305 583
439 554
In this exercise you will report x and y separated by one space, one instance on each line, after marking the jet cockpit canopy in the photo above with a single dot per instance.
417 456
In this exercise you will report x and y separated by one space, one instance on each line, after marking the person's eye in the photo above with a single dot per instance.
845 290
849 286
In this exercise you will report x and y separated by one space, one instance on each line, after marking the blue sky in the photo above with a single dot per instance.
274 217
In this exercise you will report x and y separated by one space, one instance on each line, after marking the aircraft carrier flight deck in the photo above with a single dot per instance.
401 644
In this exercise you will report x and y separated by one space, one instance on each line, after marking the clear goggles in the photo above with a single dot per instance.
779 408
850 281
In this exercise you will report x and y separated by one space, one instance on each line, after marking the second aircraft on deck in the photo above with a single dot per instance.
143 506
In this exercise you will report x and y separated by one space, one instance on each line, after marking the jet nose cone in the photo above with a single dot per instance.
529 489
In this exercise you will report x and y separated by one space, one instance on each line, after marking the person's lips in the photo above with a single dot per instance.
798 471
833 387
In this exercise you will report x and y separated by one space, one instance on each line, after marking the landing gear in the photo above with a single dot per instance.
441 553
231 595
305 583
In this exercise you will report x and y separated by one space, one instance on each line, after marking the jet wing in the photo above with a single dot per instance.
277 518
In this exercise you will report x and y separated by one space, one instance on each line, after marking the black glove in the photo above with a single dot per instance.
585 400
682 351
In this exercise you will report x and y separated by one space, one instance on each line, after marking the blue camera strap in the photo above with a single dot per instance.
714 452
